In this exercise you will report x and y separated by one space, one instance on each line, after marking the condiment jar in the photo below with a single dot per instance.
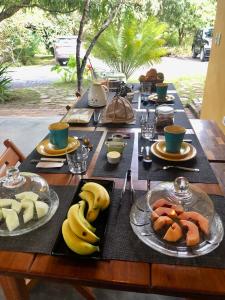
164 116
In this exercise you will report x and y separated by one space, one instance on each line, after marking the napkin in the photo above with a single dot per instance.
49 164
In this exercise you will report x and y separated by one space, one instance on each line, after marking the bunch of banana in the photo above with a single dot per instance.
101 196
77 232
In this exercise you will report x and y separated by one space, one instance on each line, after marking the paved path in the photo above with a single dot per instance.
29 76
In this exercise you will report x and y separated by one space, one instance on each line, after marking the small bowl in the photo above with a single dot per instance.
113 157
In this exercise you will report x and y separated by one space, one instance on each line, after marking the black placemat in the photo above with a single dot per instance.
154 170
42 239
122 244
176 102
27 166
105 169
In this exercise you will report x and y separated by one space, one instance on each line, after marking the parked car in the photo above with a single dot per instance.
202 43
64 48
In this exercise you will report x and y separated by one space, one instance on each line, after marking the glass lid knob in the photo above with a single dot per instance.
182 191
13 178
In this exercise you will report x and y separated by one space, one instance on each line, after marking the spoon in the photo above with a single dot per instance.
147 157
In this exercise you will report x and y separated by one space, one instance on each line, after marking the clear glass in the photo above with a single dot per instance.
77 160
14 183
147 127
188 197
164 116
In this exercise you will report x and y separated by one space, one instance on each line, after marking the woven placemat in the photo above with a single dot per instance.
27 166
122 244
42 239
105 169
154 170
176 102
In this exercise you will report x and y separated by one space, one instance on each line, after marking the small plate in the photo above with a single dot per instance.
47 149
184 151
192 153
60 248
154 98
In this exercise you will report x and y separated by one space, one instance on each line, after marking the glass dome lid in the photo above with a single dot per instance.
26 202
177 219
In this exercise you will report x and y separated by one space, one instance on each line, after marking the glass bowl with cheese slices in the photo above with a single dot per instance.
26 202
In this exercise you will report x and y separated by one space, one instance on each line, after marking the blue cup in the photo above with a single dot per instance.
161 90
174 135
58 134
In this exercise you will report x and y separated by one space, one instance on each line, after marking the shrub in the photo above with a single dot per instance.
4 83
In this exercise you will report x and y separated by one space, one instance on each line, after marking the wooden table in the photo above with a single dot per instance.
121 275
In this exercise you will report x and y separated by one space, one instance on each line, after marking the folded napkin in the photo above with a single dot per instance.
76 118
49 164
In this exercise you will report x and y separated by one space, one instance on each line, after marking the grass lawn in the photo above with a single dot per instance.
190 88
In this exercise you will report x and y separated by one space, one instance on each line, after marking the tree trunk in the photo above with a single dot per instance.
81 65
7 12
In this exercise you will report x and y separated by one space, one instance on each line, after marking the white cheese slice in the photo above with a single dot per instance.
12 221
27 195
41 208
16 206
5 202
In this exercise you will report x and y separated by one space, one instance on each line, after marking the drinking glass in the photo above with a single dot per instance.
77 160
147 128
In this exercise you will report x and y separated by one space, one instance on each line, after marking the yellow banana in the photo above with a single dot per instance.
82 218
75 243
89 197
100 194
78 227
106 201
92 213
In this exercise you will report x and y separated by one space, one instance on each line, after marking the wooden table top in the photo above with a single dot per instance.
211 138
123 275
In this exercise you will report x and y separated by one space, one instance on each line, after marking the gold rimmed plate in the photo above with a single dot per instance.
47 149
184 150
192 153
154 98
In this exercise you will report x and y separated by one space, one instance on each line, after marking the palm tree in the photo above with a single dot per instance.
131 44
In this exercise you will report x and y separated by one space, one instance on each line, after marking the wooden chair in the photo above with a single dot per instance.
12 156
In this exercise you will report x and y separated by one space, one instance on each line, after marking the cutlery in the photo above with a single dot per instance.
159 140
96 116
46 159
147 158
140 154
128 177
123 190
181 168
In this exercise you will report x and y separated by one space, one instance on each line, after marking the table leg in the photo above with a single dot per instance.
14 288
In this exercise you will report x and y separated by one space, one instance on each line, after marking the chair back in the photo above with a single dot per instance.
11 156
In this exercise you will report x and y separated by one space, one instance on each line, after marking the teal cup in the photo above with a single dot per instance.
174 135
58 134
161 90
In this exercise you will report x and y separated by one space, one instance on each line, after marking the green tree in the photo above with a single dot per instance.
102 10
132 44
184 16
